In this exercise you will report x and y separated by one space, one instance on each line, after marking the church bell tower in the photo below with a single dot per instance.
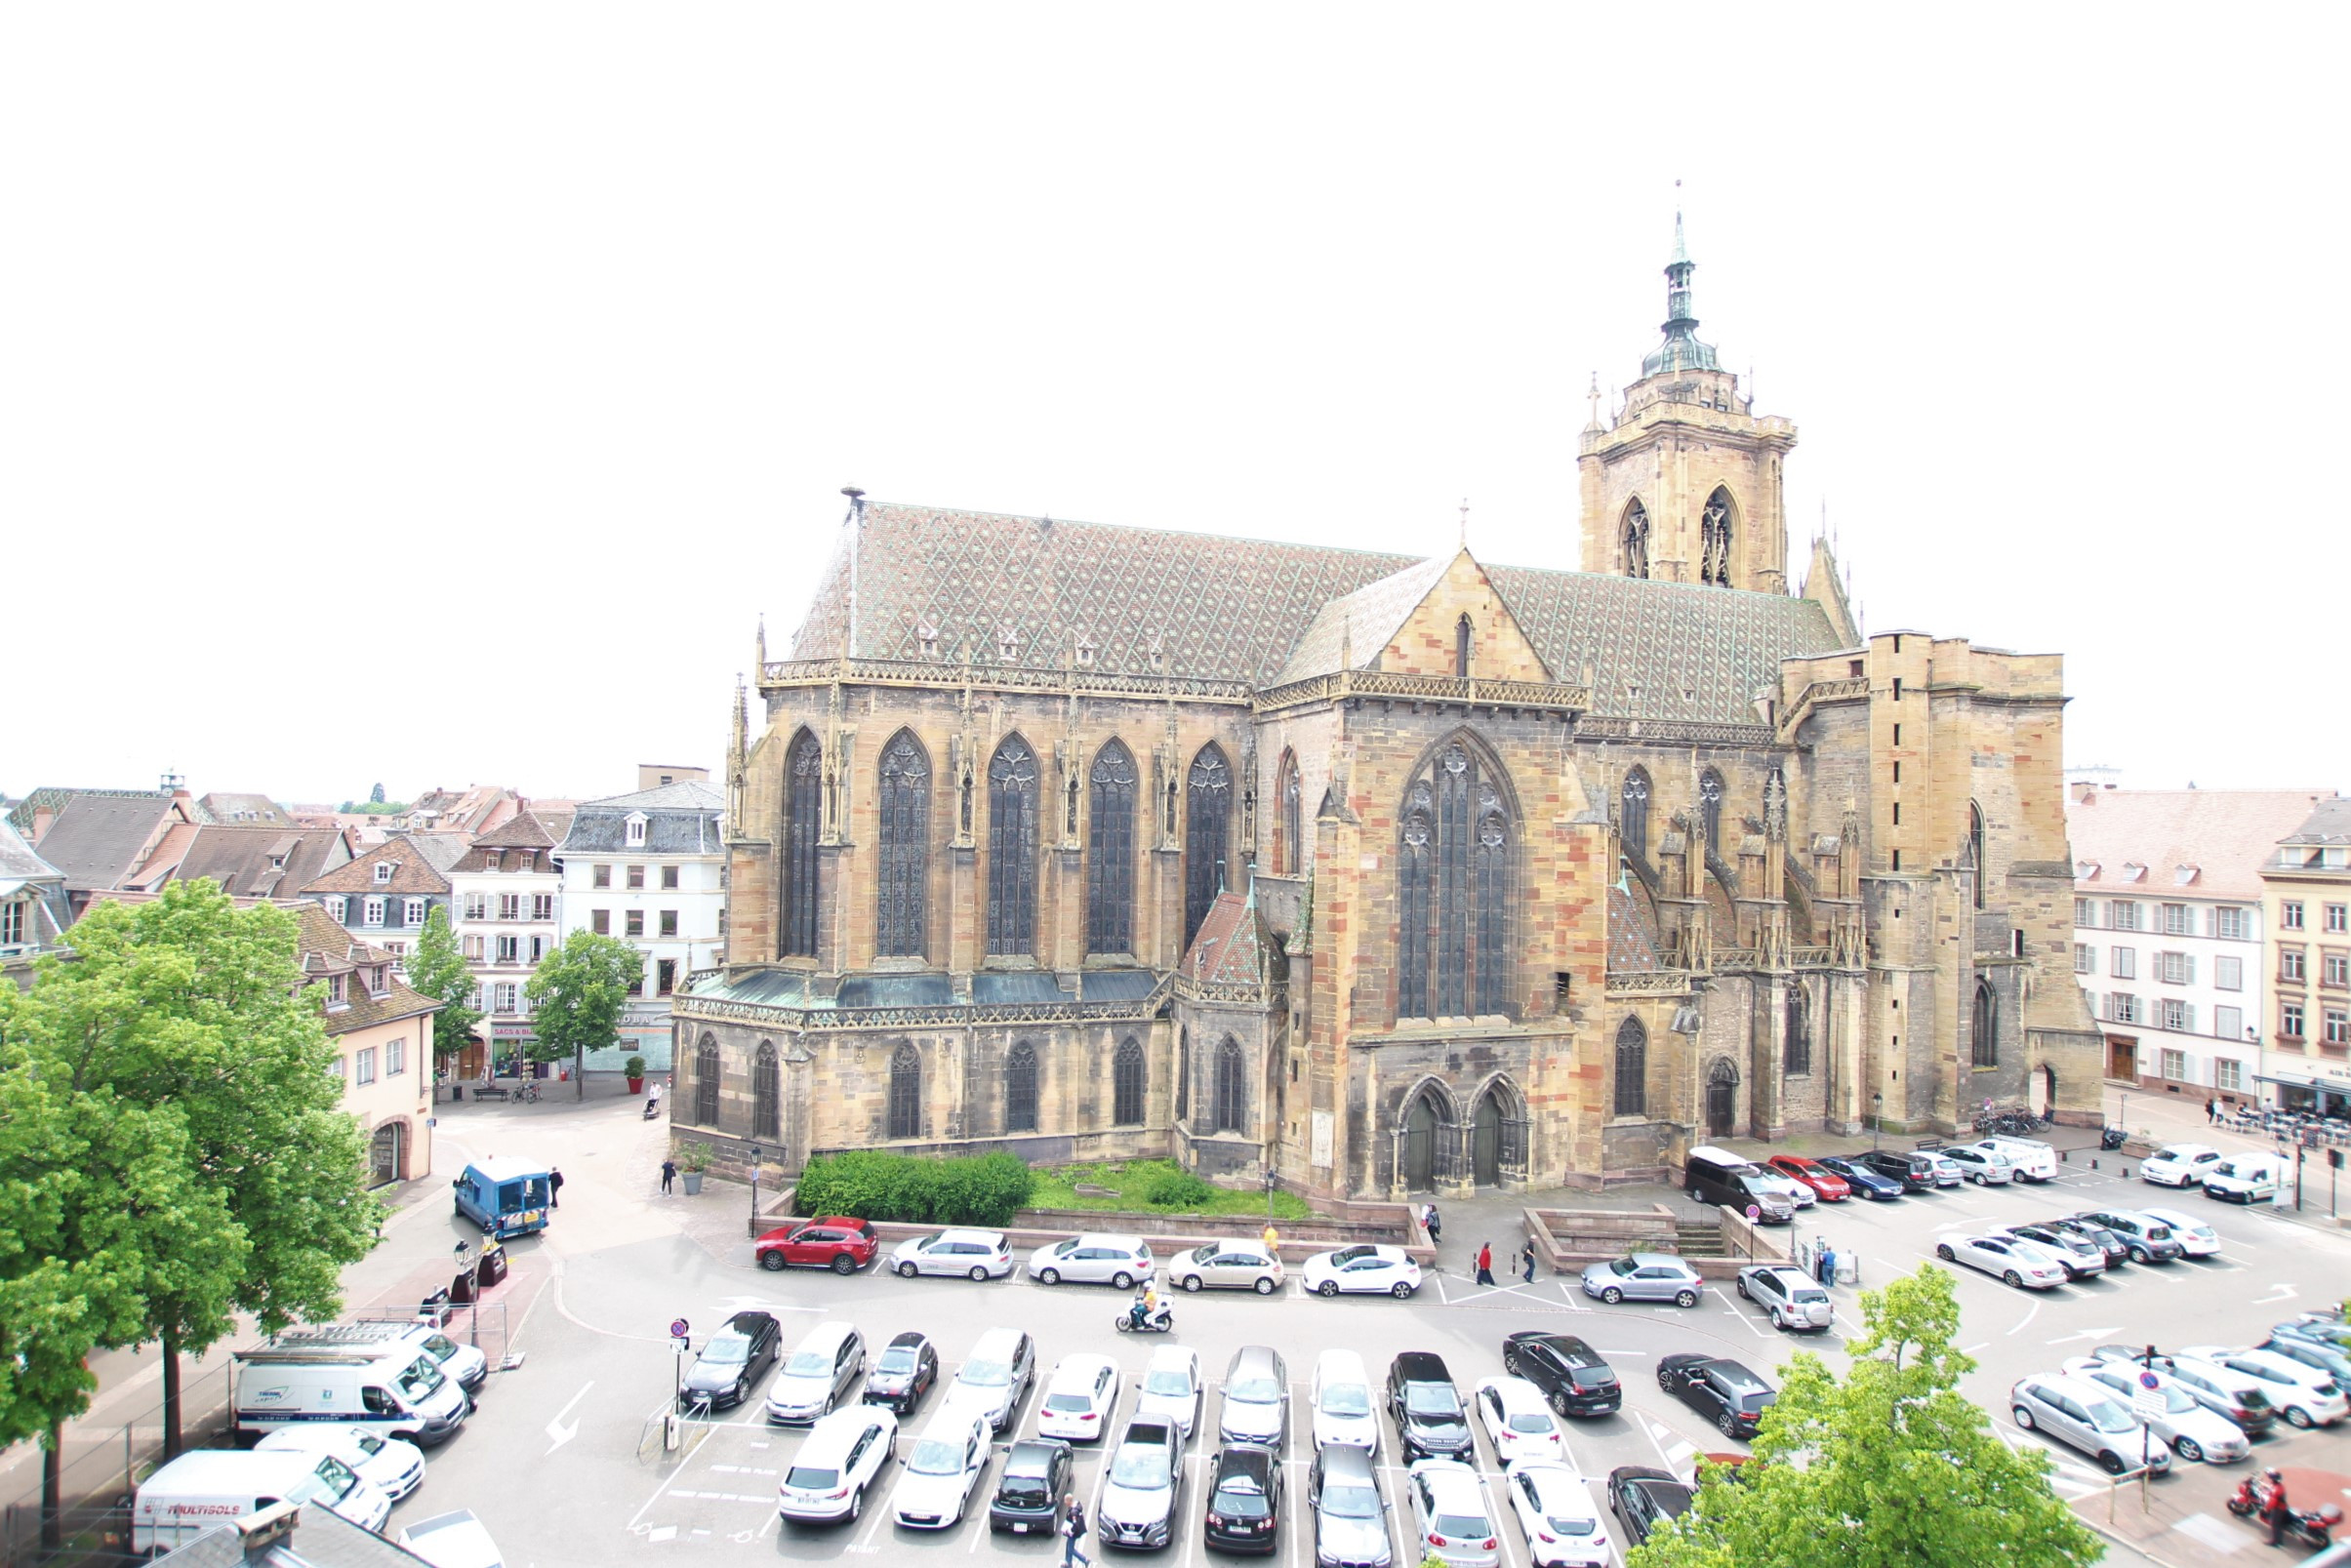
1683 483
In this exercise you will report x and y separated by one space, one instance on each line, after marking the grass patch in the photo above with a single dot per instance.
1130 1181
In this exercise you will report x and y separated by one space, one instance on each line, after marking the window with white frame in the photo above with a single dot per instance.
474 1000
2178 1016
395 1057
510 907
2290 1019
2174 1064
2123 963
636 877
2175 968
637 830
335 1069
372 912
2123 1008
2334 969
2338 1025
2290 916
537 948
2229 1073
364 1065
383 871
340 908
2085 911
507 993
477 906
12 922
599 876
2179 920
2228 1023
2293 964
2085 958
2228 973
411 912
2233 924
2125 916
510 949
474 945
542 906
2338 917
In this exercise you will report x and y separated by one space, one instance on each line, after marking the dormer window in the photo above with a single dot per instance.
637 829
337 994
383 870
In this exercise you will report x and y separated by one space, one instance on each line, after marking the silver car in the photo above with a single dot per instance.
2084 1415
1351 1519
1644 1276
1985 1167
1141 1488
1257 1398
2195 1434
974 1254
1090 1259
1789 1296
1450 1513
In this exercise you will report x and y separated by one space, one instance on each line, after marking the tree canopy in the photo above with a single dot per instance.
1890 1466
577 994
437 969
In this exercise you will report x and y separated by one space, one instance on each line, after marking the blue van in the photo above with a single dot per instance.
506 1196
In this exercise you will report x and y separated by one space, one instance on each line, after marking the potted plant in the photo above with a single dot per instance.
693 1158
634 1067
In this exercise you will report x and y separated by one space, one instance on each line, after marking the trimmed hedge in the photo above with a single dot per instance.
1177 1189
982 1189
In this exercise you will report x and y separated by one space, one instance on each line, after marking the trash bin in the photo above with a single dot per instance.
493 1265
460 1287
456 1091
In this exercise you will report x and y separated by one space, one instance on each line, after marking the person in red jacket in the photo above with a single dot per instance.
1486 1262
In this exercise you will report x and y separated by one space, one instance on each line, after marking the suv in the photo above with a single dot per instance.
1723 1391
2147 1240
1569 1371
2082 1415
1136 1505
835 1242
1429 1420
1257 1398
1789 1296
2083 1258
1916 1172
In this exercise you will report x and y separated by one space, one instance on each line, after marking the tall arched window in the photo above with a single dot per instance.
1012 850
1127 1081
1462 631
1798 1056
1110 866
1636 541
1207 833
1232 1088
1633 817
766 1106
1292 856
906 1093
803 822
1454 886
1020 1089
1987 1026
706 1082
1709 812
905 834
1714 539
1975 847
1631 1068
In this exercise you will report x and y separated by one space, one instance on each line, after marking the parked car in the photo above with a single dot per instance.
975 1255
1947 1172
1644 1276
2196 1238
1365 1270
2147 1240
2081 1257
2020 1264
391 1466
996 1376
2220 1389
1825 1184
903 1373
1171 1387
1865 1179
1140 1490
1081 1399
1799 1194
1257 1398
1789 1296
1351 1517
1123 1262
1341 1398
818 1374
1556 1514
1029 1489
732 1359
1226 1265
1518 1425
835 1242
2178 1164
1572 1374
1426 1408
1244 1498
1450 1513
1916 1172
2109 1242
2313 1326
2195 1434
2084 1415
1717 1176
1725 1391
452 1540
843 1455
2313 1353
2035 1160
1985 1167
2304 1395
2245 1178
1642 1498
942 1469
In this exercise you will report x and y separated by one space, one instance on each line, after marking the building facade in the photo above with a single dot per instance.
385 894
34 909
1384 875
2306 899
649 869
508 896
383 1035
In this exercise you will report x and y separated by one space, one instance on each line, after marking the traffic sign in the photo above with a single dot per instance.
2148 1379
1754 1213
679 1327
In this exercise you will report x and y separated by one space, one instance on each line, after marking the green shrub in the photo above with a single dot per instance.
985 1189
1176 1189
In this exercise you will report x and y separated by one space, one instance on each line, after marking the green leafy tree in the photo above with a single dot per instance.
437 969
576 998
1889 1467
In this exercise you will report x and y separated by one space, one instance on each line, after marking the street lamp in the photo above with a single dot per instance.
755 1186
1269 1179
1877 1120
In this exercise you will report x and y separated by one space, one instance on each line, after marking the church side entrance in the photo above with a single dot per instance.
1721 1100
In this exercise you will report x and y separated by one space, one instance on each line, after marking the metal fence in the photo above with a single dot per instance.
103 1466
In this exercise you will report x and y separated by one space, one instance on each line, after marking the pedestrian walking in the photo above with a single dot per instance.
2211 1111
1435 1223
1272 1240
1526 1259
1072 1532
1486 1262
554 1187
668 1173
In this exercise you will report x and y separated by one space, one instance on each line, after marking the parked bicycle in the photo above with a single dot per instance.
528 1089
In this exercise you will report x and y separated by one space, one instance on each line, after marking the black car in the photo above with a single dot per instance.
2117 1250
1872 1185
736 1357
1570 1372
1427 1408
1029 1492
1244 1498
903 1373
1642 1498
1916 1172
1723 1391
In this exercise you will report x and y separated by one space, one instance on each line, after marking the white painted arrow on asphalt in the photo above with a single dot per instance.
2278 1293
2086 1334
556 1429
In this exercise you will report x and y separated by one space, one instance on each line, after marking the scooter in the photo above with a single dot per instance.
2111 1139
2307 1527
1162 1321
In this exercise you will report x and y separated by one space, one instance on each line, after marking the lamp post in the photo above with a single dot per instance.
1877 1120
756 1157
1269 1180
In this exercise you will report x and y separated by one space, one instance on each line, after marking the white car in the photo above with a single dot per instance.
1171 1387
1794 1192
454 1540
1121 1261
1985 1167
1368 1270
2194 1432
1789 1296
389 1465
2025 1265
1226 1265
1517 1420
2035 1161
941 1469
1345 1411
2178 1164
1450 1513
1947 1172
2306 1395
1555 1513
1080 1398
2198 1239
973 1254
846 1453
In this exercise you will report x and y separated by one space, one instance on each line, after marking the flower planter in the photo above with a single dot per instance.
692 1180
636 1086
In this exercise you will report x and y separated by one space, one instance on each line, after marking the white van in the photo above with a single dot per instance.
1346 1410
401 1395
2035 1160
2245 1178
464 1362
215 1486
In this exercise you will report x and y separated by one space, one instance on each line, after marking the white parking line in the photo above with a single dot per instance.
1731 1306
2028 1317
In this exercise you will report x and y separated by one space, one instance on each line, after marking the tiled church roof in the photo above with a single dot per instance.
1235 609
1355 628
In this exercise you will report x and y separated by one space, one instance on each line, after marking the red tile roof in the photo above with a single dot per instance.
2224 835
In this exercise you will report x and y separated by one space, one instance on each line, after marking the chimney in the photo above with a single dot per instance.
269 1527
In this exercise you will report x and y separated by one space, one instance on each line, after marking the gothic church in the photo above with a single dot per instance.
1387 875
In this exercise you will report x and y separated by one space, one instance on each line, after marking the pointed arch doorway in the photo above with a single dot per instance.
1425 1127
1721 1100
1498 1136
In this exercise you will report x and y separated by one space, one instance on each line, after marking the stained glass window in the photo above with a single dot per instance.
1109 888
900 897
1207 833
1012 848
804 814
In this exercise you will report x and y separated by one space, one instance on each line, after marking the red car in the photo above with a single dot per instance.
835 1242
1826 1185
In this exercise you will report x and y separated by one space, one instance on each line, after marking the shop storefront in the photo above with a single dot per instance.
2324 1091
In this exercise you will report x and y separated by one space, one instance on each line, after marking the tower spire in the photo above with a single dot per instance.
1682 349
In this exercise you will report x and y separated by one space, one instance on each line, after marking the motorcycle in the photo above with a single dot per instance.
2112 1138
2307 1527
1162 1321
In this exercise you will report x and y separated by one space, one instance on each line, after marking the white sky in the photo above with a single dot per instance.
435 394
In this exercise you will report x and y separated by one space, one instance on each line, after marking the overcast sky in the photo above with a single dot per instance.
435 394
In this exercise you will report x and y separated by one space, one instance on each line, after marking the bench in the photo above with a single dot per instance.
492 1091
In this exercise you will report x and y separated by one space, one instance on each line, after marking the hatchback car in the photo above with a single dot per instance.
903 1373
1140 1490
2304 1395
1122 1261
1642 1498
1257 1398
1029 1489
2081 1257
1865 1181
2195 1434
1244 1498
1518 1425
1171 1387
975 1255
2180 1164
1226 1265
1985 1167
2109 1242
818 1375
2018 1264
2147 1240
1341 1396
1081 1399
1361 1270
1723 1391
996 1375
1351 1517
2196 1238
736 1357
1644 1276
1825 1184
391 1466
844 1454
1450 1513
1571 1373
835 1242
1554 1513
942 1469
2085 1416
1789 1296
1426 1408
1947 1172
